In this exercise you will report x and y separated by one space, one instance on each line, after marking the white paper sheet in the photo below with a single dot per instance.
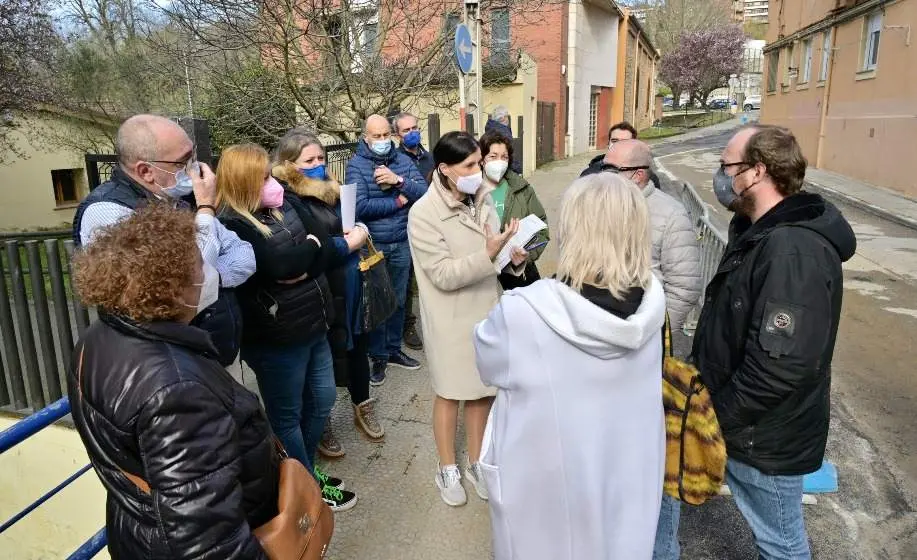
529 226
348 206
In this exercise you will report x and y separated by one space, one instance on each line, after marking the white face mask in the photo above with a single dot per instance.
495 170
210 289
470 183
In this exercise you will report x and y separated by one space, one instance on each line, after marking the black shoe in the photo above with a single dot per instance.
338 500
412 338
377 375
325 480
402 360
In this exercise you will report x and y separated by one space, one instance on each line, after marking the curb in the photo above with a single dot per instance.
863 205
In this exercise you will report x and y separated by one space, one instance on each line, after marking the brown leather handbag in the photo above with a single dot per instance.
304 523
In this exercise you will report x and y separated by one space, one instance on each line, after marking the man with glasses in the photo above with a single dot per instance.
676 256
618 132
156 163
765 339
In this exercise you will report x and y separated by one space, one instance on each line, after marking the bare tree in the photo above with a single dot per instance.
333 62
27 38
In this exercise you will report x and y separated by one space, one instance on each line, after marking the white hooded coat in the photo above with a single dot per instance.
574 449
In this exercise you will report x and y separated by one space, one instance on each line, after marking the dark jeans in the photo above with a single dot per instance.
358 369
297 386
386 339
410 320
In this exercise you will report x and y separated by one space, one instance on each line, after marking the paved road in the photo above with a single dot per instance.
400 515
875 386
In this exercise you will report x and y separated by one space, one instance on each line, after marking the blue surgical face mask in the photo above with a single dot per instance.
381 147
411 139
182 187
317 172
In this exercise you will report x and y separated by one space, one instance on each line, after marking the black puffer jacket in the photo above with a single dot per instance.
157 404
766 334
319 198
274 312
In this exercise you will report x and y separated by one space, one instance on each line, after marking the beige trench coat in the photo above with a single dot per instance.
457 284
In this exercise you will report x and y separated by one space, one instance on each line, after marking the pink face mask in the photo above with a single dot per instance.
271 194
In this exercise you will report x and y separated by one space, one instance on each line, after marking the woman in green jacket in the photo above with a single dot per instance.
513 197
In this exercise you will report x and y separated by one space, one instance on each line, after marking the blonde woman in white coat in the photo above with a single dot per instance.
455 236
574 449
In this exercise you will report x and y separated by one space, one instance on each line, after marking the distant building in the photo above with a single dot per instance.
43 180
842 75
755 11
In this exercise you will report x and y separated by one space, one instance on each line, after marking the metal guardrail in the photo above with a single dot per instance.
712 246
38 319
26 428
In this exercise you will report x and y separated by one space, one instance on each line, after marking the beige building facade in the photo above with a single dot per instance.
842 75
43 180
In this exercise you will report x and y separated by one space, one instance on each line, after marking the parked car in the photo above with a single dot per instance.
752 102
718 104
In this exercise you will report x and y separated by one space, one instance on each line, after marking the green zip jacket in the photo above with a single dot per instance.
521 201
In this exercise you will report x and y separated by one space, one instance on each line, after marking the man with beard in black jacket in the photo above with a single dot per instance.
766 335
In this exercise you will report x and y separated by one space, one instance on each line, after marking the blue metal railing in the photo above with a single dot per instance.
26 428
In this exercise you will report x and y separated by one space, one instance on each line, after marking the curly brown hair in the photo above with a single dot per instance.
140 267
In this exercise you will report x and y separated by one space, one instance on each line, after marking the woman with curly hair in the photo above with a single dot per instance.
286 305
185 452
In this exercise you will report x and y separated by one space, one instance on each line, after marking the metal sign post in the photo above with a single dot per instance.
464 56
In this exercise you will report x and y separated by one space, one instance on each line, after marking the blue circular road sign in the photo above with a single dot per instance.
464 51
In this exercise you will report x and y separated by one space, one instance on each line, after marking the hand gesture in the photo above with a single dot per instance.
404 200
384 176
519 256
205 184
355 238
496 241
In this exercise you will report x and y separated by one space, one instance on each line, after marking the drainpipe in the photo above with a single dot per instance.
826 98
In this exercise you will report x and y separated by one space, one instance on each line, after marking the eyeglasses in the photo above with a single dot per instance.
615 169
724 165
187 165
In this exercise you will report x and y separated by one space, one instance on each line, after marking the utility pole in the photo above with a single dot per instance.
474 93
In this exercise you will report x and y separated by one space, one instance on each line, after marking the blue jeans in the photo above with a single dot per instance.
771 504
297 385
386 339
666 547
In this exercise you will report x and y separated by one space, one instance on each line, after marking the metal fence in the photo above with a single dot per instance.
38 320
26 428
712 246
337 157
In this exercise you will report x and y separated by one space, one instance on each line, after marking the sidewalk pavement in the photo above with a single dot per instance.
876 200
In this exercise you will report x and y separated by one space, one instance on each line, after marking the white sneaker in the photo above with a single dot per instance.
449 482
473 473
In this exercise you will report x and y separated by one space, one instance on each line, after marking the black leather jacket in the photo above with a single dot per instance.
157 404
766 335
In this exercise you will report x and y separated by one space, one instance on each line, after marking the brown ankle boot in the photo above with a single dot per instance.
364 416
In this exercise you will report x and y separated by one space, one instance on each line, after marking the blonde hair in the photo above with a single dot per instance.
240 177
604 235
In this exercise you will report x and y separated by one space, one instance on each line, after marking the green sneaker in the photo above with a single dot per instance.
325 480
338 500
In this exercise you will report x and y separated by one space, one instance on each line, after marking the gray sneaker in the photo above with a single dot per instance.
449 482
473 473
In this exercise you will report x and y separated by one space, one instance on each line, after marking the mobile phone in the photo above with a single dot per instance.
535 246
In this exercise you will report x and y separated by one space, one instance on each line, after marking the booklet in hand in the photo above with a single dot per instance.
529 226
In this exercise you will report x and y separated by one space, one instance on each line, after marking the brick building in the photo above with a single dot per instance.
843 76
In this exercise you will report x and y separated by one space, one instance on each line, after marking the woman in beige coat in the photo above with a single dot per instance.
454 235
